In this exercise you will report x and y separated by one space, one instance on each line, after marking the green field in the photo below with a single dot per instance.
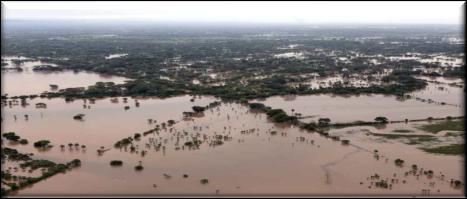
420 140
397 136
453 149
402 131
451 125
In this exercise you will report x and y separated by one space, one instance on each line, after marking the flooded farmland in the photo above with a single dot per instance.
359 108
232 100
252 155
253 158
39 81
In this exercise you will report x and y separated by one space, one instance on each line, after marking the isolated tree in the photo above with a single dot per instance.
381 119
198 108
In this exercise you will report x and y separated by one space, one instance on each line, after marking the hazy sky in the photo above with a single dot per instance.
263 12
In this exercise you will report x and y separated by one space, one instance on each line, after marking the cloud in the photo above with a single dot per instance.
271 12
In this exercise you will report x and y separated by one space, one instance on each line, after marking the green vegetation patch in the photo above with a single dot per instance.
397 136
402 131
35 164
420 140
453 134
356 123
453 149
451 125
11 136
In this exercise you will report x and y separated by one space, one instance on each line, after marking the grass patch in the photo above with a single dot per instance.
420 140
453 149
402 131
397 136
350 124
451 125
453 134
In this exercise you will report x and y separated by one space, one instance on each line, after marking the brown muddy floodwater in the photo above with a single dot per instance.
366 107
254 157
28 82
443 91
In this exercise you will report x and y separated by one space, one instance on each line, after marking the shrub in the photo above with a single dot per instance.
23 141
11 136
170 122
257 106
138 168
116 163
198 108
204 181
78 117
381 119
324 121
399 162
137 136
35 164
310 126
457 184
41 143
76 162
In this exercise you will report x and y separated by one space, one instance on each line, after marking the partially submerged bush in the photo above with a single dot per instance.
78 117
137 136
381 119
11 136
257 106
399 162
204 181
116 163
41 143
198 108
23 141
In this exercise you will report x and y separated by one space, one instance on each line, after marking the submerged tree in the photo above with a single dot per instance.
381 119
41 143
399 162
204 181
198 108
324 121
